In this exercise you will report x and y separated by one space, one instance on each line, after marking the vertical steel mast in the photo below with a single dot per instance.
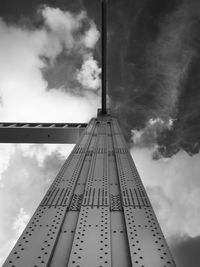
96 212
104 54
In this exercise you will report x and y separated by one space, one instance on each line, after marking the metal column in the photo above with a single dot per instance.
96 212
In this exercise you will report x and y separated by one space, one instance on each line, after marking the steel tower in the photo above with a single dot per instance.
96 212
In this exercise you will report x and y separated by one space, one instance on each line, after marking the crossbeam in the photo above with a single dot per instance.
49 133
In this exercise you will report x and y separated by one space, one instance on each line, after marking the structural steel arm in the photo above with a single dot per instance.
60 133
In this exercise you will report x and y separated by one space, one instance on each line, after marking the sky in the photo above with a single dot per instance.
50 72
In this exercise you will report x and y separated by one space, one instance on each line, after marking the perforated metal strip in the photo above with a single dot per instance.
34 247
38 242
146 241
132 190
122 148
147 244
97 186
91 246
60 192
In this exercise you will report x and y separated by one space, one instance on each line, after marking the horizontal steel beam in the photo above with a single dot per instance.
51 133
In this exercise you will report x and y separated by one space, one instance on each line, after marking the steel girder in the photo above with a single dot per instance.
96 212
60 133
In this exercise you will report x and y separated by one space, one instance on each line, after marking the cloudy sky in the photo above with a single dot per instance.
50 60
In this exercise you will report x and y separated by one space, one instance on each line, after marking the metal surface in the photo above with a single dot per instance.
60 133
104 55
91 246
96 212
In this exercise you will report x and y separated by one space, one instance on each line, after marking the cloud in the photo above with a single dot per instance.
91 36
153 70
173 186
41 151
20 222
88 76
169 58
75 36
6 152
147 136
26 53
64 29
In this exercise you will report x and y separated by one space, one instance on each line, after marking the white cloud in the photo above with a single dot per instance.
137 136
22 87
5 249
154 121
174 189
65 25
21 221
147 137
62 26
64 21
91 36
41 151
6 151
88 75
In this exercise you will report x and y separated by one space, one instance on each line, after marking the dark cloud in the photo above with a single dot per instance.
61 73
153 69
186 132
15 10
135 27
186 251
